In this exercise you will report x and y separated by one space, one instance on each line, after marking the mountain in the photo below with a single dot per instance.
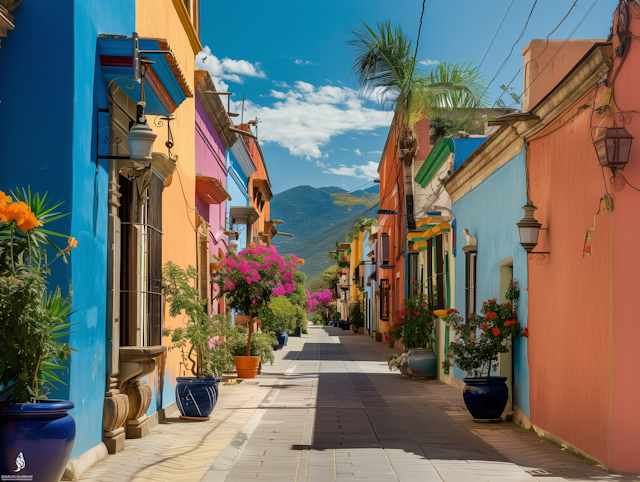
315 222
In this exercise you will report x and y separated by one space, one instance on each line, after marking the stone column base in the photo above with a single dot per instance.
114 440
140 427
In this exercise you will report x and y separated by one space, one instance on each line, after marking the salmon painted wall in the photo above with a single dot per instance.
570 318
159 19
625 421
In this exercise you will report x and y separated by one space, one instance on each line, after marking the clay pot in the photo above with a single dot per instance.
247 366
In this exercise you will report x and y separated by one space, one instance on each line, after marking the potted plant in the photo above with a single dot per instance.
278 317
202 336
261 348
416 326
475 350
399 362
36 433
248 280
356 317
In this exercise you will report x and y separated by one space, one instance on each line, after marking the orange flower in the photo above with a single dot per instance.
20 213
485 326
496 331
491 315
510 322
73 243
4 199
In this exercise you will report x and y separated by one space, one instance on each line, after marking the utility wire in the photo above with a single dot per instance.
496 34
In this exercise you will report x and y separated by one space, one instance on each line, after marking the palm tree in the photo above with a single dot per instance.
385 66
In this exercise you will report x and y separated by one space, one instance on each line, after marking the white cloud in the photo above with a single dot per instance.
375 152
343 149
227 69
366 171
281 83
357 151
304 62
305 118
428 63
374 134
328 81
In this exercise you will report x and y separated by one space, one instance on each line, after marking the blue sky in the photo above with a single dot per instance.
290 60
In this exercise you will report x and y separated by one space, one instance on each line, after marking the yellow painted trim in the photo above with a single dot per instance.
440 313
188 26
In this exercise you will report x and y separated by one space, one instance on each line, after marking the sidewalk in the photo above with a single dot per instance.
330 410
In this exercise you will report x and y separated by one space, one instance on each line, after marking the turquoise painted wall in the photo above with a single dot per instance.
64 90
490 212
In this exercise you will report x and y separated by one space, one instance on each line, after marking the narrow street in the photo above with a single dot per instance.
330 410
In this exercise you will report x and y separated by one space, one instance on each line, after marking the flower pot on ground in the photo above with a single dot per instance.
247 366
36 439
196 397
36 434
378 336
356 315
485 397
207 338
415 326
479 340
281 336
261 352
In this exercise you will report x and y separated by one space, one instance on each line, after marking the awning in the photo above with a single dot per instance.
244 215
263 186
165 85
461 148
211 190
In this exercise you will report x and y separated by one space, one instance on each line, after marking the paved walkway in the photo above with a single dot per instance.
330 410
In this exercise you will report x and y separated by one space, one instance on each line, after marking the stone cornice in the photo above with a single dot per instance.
508 141
213 107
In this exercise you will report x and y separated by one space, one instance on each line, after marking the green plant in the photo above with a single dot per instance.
480 339
415 323
316 319
336 316
278 316
32 321
205 337
356 315
261 345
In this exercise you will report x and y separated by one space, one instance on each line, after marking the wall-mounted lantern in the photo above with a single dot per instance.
613 145
529 228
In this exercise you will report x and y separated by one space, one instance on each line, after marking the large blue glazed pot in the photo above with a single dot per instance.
297 331
485 397
346 325
282 339
196 397
423 363
35 440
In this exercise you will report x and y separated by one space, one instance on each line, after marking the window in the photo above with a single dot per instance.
414 281
384 299
437 272
470 291
141 259
385 248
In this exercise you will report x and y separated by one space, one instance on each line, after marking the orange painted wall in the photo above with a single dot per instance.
569 316
625 418
391 177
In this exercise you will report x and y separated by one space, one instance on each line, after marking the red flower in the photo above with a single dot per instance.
421 294
473 326
387 337
452 310
472 315
424 304
485 326
496 331
510 322
431 313
417 313
491 315
526 332
471 342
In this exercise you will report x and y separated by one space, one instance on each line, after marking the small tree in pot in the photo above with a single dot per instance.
278 318
479 340
415 325
248 280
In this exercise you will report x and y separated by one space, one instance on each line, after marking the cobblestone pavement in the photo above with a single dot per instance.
330 410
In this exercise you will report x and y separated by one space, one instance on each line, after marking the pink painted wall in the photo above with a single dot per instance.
625 417
210 161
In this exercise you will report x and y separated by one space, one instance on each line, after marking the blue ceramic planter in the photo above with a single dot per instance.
282 339
346 325
196 397
36 440
485 397
423 363
297 331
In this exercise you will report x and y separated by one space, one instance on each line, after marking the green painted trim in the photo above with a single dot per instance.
424 227
434 161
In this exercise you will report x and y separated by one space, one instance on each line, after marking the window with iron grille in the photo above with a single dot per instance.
141 260
437 272
384 299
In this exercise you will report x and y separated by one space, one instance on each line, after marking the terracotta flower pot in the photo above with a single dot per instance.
247 366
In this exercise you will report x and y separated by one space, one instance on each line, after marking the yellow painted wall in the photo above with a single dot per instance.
159 19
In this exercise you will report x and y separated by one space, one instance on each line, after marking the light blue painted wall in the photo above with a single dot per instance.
491 212
60 158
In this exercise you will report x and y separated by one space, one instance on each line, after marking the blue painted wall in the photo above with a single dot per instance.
57 154
491 212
